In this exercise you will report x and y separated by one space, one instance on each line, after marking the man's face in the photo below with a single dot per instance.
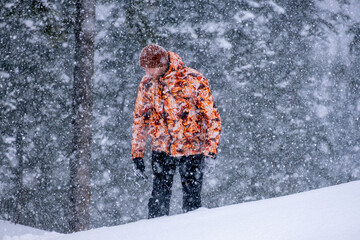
155 73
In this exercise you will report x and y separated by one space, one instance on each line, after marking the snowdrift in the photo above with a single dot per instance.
331 213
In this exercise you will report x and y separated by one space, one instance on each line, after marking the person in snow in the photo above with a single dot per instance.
174 106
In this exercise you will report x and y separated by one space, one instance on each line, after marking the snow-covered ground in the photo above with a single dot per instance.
331 213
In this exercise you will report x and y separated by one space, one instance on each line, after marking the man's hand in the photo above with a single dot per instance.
139 168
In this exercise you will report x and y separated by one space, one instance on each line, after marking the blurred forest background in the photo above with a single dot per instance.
284 74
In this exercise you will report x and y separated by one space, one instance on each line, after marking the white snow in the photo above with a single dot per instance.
277 8
246 67
4 74
253 4
103 11
324 147
223 43
331 213
9 5
29 24
244 16
214 27
283 84
184 28
321 111
15 231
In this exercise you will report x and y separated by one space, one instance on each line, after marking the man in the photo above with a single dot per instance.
174 106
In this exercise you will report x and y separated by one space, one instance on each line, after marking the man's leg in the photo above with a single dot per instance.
191 173
163 169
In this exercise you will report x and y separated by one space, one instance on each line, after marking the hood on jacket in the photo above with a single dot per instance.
175 63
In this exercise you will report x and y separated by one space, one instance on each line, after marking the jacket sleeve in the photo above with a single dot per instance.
141 115
205 103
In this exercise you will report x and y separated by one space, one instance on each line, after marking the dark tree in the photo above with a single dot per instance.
82 109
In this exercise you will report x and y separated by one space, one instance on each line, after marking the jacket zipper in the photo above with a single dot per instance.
164 116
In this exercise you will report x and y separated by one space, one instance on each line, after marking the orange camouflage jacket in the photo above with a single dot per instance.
177 112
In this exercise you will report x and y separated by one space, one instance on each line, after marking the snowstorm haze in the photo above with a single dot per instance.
284 75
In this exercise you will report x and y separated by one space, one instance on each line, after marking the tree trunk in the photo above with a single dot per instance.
80 170
20 192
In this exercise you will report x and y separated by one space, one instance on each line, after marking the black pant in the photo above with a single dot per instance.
164 167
